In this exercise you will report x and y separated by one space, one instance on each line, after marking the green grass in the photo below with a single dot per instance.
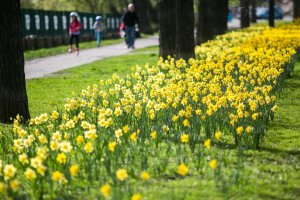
46 94
272 172
44 52
32 54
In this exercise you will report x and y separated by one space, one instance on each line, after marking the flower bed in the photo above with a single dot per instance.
160 121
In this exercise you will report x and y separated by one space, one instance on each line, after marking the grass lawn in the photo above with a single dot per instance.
44 52
272 172
46 94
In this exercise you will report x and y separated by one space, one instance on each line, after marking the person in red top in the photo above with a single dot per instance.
74 32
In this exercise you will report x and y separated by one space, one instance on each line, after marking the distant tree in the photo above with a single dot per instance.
94 6
220 12
13 97
271 13
245 17
296 9
27 4
205 25
167 28
185 37
253 11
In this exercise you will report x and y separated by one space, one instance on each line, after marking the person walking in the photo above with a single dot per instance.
98 27
74 32
130 21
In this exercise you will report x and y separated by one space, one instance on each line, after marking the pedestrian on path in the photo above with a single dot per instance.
98 27
130 21
74 32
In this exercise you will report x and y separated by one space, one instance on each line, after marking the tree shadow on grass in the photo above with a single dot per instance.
280 151
271 197
283 152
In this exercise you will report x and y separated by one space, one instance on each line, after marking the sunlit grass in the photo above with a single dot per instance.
45 94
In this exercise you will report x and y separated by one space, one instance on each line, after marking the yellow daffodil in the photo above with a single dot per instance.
182 169
105 190
213 163
184 138
121 174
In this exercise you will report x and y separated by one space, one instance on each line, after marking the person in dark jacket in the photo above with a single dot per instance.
130 20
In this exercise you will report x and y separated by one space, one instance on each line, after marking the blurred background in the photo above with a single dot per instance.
45 22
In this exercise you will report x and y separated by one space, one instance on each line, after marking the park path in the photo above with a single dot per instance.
41 67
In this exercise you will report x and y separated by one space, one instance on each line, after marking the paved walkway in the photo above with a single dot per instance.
45 66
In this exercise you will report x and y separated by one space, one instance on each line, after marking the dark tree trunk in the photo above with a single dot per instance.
245 17
253 11
167 28
205 27
271 13
13 97
143 9
185 37
296 9
220 16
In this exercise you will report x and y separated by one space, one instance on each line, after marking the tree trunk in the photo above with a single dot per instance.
253 11
271 13
205 27
245 18
296 9
13 97
167 28
143 9
185 37
220 16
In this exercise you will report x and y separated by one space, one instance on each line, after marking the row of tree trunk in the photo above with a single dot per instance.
147 15
296 9
245 12
176 25
212 19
